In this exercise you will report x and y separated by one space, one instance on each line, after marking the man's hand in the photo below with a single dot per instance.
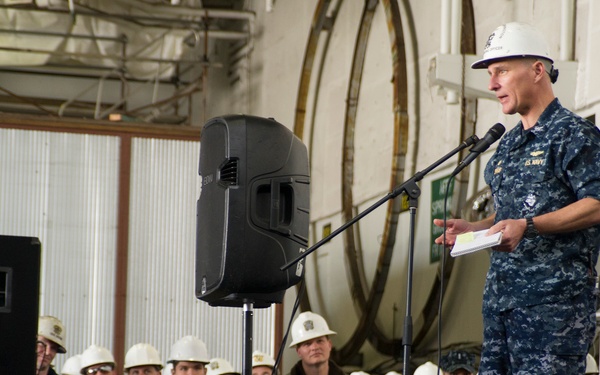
454 227
512 233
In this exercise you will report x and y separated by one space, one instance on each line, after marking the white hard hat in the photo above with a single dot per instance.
95 355
359 373
189 348
308 326
220 366
142 355
167 369
262 359
514 39
426 368
590 365
72 365
392 373
52 329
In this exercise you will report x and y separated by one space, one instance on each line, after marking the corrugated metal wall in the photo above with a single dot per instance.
63 188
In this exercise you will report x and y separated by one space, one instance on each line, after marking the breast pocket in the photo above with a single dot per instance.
535 188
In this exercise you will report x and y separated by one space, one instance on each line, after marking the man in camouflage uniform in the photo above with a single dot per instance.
539 298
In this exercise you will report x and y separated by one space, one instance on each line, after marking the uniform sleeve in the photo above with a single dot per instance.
582 162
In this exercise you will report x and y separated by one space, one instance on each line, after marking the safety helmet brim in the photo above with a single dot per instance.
312 337
484 63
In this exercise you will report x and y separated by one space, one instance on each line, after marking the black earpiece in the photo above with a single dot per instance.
553 74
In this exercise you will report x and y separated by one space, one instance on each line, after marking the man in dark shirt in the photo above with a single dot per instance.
539 298
310 337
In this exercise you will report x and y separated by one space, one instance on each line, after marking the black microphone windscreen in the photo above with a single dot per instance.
483 144
490 137
497 130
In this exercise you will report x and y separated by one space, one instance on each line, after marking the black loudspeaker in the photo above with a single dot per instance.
19 303
253 211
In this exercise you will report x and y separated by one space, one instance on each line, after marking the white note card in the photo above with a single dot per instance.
470 242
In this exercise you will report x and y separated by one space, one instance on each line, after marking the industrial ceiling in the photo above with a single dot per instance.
130 44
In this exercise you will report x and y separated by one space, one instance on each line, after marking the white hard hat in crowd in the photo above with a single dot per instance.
262 359
590 365
191 349
220 366
167 369
142 355
359 373
308 326
392 373
426 368
514 39
95 355
52 329
72 365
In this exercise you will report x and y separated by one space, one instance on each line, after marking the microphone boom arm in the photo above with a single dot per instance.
409 187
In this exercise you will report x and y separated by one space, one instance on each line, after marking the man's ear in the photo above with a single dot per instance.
539 69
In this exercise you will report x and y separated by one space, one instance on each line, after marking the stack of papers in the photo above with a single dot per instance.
470 242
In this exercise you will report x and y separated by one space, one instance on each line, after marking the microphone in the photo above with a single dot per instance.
483 144
469 141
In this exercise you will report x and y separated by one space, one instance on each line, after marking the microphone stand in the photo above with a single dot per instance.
411 189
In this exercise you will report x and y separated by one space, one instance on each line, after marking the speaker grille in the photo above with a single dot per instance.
229 172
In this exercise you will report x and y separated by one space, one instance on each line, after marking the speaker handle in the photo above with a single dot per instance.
277 184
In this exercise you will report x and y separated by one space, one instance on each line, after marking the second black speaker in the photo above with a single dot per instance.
253 211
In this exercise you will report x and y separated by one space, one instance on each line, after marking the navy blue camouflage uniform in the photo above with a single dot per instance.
539 300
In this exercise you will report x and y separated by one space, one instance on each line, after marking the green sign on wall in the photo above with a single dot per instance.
438 192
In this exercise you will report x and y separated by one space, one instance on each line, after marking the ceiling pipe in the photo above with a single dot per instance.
567 30
455 25
51 34
188 17
450 36
100 56
445 27
190 12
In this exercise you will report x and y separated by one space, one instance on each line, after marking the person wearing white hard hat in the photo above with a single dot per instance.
97 360
310 337
167 370
220 366
262 363
458 362
72 366
50 341
427 368
189 356
591 368
142 359
539 297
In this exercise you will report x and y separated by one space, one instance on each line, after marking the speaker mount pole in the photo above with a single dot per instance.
248 313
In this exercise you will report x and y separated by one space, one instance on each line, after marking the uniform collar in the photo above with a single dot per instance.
544 121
